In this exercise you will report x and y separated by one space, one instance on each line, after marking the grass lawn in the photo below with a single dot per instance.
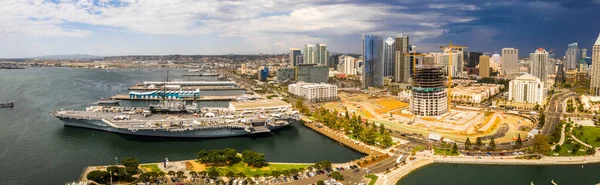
589 135
373 178
442 151
250 171
150 168
566 149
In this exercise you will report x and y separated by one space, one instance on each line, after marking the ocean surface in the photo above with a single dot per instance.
35 148
463 174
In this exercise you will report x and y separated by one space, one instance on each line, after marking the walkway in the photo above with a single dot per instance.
584 144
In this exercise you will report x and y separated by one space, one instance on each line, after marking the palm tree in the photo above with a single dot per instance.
193 173
203 173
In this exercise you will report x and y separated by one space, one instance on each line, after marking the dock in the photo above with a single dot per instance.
201 74
201 98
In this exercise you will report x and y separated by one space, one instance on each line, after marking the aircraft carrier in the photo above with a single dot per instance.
180 120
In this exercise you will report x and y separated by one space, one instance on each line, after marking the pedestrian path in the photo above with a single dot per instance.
584 144
562 137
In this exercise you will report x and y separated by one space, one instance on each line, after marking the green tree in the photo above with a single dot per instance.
254 159
386 140
542 119
256 176
540 144
381 128
478 142
180 174
325 164
131 165
285 172
98 176
455 149
337 176
241 175
212 173
557 148
275 173
492 144
519 142
294 171
468 143
320 182
230 174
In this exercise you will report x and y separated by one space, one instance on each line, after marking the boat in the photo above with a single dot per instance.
174 119
7 105
108 101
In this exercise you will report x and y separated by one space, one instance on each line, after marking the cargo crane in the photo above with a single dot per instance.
449 49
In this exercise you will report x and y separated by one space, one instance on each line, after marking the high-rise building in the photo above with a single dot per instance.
321 54
583 53
285 74
595 83
428 60
484 66
474 58
560 74
372 54
263 73
311 73
510 60
294 53
526 89
389 48
429 92
551 67
309 54
402 67
572 56
333 61
539 62
347 65
443 60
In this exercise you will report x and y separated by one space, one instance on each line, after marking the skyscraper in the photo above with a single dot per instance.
474 58
583 53
372 61
484 66
539 61
389 48
321 54
294 53
572 56
510 60
309 54
402 60
595 85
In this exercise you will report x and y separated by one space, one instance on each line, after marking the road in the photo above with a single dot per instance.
554 111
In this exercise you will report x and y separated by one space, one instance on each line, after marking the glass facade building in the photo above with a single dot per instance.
372 53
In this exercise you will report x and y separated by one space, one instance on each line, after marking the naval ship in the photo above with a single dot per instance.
176 119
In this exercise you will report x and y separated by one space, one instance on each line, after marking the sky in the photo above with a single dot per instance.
31 28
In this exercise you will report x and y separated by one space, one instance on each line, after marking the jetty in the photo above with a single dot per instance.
201 74
201 98
185 88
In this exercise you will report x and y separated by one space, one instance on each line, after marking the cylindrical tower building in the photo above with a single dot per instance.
429 92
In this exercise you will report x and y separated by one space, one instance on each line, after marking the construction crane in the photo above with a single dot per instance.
415 55
450 48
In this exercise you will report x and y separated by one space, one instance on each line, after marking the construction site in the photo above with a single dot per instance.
430 111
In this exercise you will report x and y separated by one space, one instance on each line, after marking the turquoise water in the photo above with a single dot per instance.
35 148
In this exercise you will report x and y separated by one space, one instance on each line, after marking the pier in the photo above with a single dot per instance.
201 74
356 145
201 98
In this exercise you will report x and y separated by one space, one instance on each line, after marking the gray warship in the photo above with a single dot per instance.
176 119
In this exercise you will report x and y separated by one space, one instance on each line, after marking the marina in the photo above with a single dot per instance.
156 98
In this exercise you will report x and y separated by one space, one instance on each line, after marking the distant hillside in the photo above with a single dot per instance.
68 57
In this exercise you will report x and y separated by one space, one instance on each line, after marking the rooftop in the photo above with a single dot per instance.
260 103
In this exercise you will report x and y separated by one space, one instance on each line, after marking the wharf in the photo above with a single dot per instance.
201 98
185 88
339 137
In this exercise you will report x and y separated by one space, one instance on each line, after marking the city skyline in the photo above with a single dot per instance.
127 27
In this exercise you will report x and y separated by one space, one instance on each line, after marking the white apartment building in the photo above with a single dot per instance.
314 92
539 62
526 89
346 65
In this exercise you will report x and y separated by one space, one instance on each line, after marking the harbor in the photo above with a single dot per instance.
157 98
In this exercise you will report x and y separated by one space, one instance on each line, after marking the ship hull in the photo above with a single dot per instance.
202 133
